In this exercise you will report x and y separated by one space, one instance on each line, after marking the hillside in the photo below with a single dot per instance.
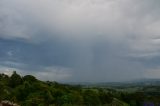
29 91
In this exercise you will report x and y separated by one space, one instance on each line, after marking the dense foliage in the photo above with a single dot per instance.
29 91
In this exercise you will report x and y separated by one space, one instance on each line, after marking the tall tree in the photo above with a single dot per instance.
15 80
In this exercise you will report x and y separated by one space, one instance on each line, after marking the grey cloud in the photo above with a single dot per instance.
97 40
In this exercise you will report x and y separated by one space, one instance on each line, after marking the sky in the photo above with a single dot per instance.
80 40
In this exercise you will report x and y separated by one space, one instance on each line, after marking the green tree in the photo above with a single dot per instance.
15 80
91 98
29 78
105 97
4 79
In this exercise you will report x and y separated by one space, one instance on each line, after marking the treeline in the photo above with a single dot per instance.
29 91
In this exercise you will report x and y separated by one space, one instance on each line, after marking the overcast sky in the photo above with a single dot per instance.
81 40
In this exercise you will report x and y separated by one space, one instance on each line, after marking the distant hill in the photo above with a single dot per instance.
137 82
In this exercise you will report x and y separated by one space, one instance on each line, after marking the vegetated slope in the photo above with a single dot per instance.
29 91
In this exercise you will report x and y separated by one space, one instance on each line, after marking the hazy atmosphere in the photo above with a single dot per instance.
81 40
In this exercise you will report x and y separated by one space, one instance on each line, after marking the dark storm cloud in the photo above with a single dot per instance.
34 54
80 40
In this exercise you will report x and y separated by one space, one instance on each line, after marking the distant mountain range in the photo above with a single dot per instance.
137 82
